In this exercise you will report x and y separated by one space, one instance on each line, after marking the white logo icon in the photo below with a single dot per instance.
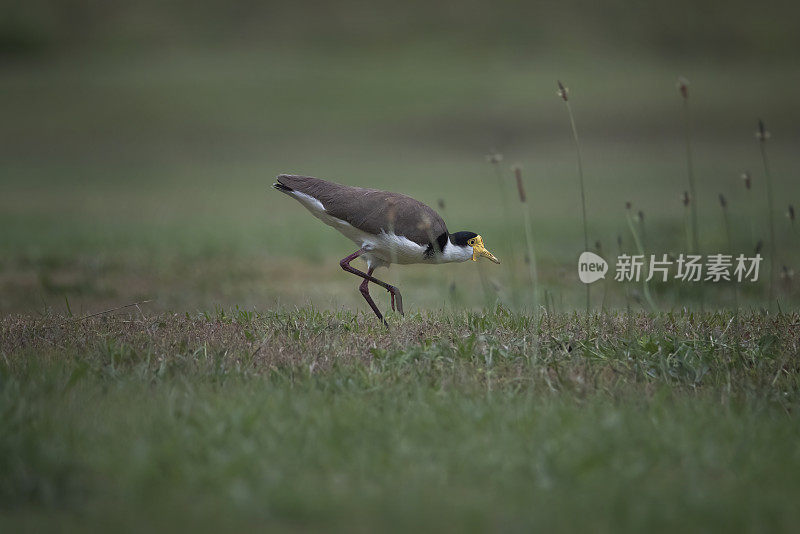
591 267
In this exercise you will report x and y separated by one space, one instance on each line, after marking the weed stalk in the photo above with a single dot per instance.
563 93
726 222
762 135
496 159
640 248
531 258
683 88
747 180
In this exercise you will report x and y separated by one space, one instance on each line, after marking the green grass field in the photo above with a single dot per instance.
252 387
456 421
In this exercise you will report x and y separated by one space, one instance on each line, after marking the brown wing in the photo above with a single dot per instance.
371 210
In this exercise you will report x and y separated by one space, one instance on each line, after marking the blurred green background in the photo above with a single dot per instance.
138 141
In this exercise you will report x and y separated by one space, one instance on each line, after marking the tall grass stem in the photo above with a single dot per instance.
640 248
496 159
762 136
528 239
729 236
562 92
683 86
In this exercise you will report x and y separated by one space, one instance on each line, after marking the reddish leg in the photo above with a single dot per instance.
365 292
395 293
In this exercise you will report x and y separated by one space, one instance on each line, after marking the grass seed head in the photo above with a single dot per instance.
562 91
685 198
640 215
722 201
440 203
790 213
683 87
494 157
747 179
759 246
520 186
628 205
762 134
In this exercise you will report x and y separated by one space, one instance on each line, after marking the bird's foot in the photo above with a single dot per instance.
397 299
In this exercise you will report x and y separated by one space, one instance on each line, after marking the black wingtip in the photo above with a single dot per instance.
280 187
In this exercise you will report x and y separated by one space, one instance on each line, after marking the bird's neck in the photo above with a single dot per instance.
455 253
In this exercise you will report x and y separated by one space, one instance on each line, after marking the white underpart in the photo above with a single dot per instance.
453 253
384 248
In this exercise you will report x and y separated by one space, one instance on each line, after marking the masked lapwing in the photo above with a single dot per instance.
387 227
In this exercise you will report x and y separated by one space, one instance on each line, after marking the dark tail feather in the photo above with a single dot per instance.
280 187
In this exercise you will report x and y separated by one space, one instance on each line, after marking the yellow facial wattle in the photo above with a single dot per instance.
479 250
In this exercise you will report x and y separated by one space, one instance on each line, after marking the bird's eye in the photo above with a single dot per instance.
471 242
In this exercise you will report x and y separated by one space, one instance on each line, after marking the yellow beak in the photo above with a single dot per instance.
479 250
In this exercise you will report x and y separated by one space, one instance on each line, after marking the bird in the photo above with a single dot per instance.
387 228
